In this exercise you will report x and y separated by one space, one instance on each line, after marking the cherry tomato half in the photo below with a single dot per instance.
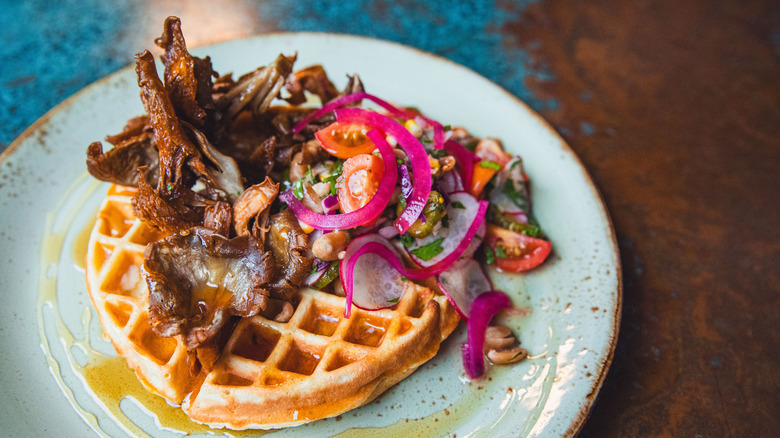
516 252
359 181
345 140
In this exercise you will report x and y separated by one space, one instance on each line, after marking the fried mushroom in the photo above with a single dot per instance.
290 247
253 202
198 279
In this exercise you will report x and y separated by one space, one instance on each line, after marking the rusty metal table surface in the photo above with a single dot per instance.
674 108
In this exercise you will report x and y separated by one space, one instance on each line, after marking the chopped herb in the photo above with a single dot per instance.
445 221
310 175
404 278
399 161
429 251
298 189
447 128
518 197
169 187
518 162
532 231
426 140
489 256
438 153
407 240
458 204
314 270
500 252
472 145
394 300
490 165
334 176
402 203
282 207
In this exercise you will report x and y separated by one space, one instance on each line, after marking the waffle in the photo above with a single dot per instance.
269 374
121 298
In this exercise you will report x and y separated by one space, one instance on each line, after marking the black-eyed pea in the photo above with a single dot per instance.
328 246
297 169
446 163
498 331
505 357
286 313
497 343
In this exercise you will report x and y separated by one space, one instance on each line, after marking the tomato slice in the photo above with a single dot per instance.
345 140
359 181
516 252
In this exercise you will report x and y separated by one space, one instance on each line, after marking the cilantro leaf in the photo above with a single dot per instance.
518 197
489 165
407 240
490 258
458 204
429 251
298 189
334 175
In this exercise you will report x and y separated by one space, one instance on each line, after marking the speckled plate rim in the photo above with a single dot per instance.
580 419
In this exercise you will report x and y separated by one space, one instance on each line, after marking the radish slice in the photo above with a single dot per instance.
316 275
369 281
451 182
463 283
463 212
511 194
484 309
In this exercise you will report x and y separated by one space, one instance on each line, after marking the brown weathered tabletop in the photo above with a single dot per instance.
674 107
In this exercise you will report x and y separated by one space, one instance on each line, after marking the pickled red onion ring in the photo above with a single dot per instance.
418 157
376 244
483 310
372 210
438 129
465 159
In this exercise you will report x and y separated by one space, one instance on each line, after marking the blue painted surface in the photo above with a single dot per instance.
51 49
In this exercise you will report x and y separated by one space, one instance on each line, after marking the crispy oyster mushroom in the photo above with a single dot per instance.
198 280
204 138
187 78
172 205
290 246
257 89
133 148
312 79
254 204
218 217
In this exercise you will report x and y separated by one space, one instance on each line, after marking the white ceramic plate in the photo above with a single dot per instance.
47 328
